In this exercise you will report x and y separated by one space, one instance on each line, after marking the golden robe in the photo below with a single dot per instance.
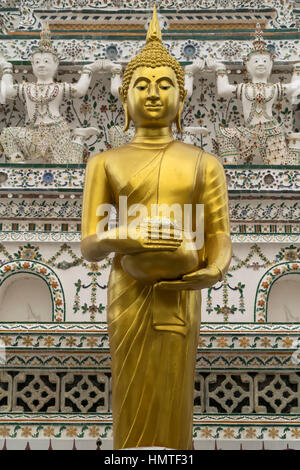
154 333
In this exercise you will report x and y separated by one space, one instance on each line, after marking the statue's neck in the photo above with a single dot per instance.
153 135
259 80
44 81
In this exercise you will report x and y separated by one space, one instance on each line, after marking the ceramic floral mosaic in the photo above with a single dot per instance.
284 17
102 110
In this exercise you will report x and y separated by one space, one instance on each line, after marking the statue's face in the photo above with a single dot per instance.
44 65
153 97
259 65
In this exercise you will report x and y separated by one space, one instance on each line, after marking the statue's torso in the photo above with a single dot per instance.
147 172
42 101
163 179
258 100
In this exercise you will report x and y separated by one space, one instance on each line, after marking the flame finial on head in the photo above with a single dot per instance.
259 44
45 43
154 32
154 54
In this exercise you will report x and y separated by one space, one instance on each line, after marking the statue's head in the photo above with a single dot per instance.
153 85
44 64
44 58
259 65
259 60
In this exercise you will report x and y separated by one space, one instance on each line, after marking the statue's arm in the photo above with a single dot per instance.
296 73
189 71
97 201
292 90
224 88
217 242
8 89
216 216
81 87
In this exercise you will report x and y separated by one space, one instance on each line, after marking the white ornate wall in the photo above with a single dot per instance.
242 355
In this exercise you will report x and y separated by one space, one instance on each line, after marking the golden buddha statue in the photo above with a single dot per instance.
154 290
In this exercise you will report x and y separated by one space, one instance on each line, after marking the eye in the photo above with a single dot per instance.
164 87
141 87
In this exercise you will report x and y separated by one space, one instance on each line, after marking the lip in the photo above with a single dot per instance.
153 107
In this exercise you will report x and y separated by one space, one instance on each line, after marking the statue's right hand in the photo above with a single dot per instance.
126 239
214 64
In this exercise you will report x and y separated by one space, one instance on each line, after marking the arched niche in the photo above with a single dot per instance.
284 300
25 298
278 294
30 291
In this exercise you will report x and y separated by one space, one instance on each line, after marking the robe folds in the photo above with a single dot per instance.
153 333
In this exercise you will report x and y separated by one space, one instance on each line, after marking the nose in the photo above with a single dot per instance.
153 93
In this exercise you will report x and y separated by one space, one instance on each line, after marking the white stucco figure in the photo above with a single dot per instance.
189 71
47 137
262 140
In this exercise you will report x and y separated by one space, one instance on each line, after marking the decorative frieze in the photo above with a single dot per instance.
92 425
77 49
56 425
247 426
85 346
282 16
94 336
239 234
66 178
257 211
262 179
41 209
37 236
39 177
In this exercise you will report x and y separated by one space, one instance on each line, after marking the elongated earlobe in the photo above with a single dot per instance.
178 117
178 121
127 117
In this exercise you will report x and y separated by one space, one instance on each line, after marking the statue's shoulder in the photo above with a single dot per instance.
205 158
211 163
186 149
108 156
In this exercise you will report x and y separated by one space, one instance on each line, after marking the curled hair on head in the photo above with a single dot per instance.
154 55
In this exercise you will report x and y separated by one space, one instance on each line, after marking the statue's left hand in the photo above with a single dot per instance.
104 65
4 63
201 279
